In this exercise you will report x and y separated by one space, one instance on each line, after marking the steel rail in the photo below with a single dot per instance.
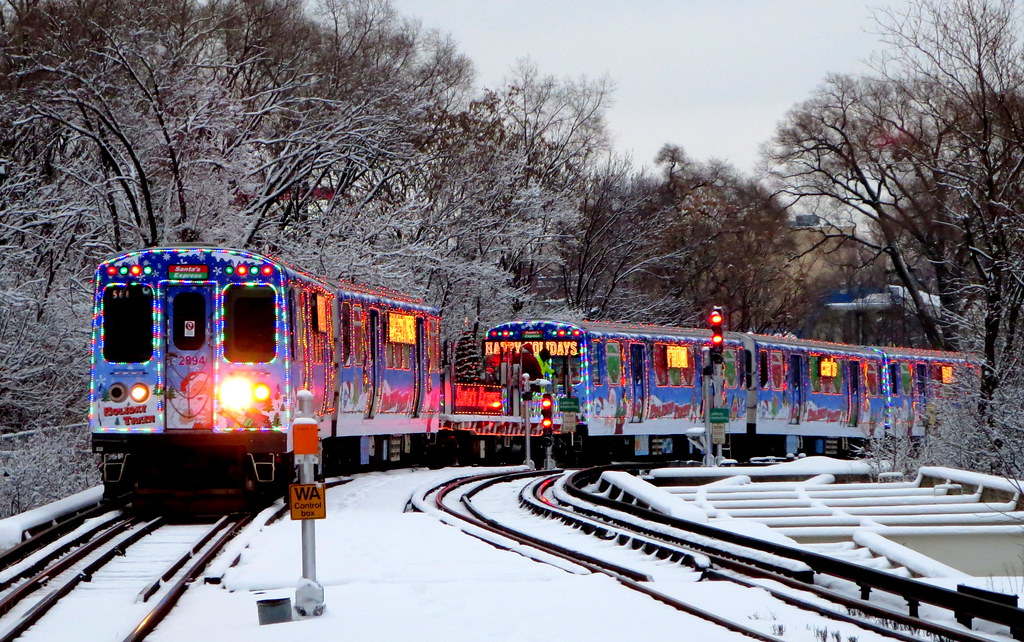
619 573
70 558
42 536
965 607
669 548
40 608
229 528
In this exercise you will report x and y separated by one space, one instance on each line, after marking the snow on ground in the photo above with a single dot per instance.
389 574
392 575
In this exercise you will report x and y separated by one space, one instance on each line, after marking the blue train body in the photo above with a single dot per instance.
640 388
198 354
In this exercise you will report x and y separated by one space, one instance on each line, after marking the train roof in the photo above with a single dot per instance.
614 328
393 296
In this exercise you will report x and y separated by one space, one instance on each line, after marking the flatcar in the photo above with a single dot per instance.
197 356
636 390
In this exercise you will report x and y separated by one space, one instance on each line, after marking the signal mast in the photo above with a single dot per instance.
714 426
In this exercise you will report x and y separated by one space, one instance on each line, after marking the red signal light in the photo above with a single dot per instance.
716 339
547 404
715 318
267 270
111 271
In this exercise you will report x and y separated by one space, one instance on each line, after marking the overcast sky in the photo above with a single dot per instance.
712 76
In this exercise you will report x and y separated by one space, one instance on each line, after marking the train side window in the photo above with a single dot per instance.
731 361
128 323
401 339
660 365
688 371
894 380
434 344
814 370
748 368
613 362
762 369
778 370
250 333
358 337
189 306
907 378
871 378
321 314
595 362
346 334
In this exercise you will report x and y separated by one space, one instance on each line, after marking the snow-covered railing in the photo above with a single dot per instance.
965 605
622 486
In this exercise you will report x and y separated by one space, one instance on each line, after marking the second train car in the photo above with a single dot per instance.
635 390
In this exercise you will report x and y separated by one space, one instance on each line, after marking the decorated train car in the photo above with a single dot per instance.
197 356
635 391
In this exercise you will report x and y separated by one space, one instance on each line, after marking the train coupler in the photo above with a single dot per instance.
264 471
112 468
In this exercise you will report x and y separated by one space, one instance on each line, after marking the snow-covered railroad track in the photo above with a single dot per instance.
487 507
764 564
111 582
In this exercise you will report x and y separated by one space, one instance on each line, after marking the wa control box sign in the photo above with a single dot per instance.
307 501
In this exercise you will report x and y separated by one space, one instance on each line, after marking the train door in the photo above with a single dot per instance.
188 390
418 369
373 361
639 388
921 405
796 390
853 396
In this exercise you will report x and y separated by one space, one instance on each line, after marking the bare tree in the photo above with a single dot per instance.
925 161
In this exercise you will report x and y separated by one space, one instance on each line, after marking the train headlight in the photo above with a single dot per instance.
261 392
139 392
235 393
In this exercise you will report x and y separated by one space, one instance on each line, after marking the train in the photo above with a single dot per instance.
199 353
637 391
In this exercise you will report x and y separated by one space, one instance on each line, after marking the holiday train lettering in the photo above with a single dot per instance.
556 348
127 410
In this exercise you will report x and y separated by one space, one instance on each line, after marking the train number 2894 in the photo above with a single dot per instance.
189 360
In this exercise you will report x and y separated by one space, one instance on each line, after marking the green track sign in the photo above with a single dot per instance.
569 404
719 415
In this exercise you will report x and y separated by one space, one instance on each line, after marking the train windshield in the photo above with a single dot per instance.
559 360
128 323
250 318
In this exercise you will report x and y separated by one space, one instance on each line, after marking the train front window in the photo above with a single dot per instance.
128 323
249 324
189 321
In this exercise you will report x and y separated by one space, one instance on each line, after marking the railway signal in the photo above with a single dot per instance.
715 320
547 407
